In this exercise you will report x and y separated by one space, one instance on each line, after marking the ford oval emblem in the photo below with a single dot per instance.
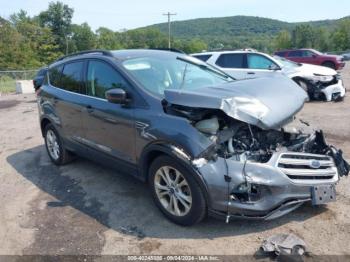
315 164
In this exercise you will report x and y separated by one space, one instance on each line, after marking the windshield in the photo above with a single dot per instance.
286 63
316 52
157 74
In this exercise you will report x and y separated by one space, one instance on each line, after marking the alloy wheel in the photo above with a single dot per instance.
173 191
52 144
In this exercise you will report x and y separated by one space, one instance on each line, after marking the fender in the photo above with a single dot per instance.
155 149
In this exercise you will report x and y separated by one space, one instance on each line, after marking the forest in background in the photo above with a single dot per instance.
30 42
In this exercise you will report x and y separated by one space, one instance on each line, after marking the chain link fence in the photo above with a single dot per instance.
8 79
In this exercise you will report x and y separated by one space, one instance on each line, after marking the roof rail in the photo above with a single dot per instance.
234 49
169 49
103 52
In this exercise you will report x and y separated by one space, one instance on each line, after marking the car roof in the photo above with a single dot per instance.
228 52
120 55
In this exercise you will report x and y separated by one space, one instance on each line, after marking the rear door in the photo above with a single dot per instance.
234 64
261 65
66 100
109 127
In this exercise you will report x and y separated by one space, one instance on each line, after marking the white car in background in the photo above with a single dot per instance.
321 83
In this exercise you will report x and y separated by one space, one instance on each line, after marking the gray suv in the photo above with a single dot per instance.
206 144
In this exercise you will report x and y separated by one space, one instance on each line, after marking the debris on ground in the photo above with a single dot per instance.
284 244
132 230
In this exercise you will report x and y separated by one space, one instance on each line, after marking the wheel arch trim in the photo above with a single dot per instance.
154 150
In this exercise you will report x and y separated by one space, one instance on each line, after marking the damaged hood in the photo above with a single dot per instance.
268 103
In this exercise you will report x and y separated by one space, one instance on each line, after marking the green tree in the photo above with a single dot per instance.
107 39
20 17
58 17
283 40
83 38
303 36
341 36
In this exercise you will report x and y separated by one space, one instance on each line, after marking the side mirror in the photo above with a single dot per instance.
314 56
274 67
117 96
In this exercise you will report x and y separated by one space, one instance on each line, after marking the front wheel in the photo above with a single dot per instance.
176 192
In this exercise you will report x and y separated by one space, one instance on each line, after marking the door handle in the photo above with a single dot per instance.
89 109
251 73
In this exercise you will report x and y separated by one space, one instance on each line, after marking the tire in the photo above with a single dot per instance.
54 146
329 64
189 198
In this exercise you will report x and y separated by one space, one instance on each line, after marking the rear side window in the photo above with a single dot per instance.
102 77
231 61
259 62
281 53
55 75
295 53
204 58
71 79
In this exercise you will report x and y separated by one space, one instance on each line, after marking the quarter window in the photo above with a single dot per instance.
204 58
102 77
231 61
55 75
71 77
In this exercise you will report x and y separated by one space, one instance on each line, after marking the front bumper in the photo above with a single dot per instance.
278 191
334 91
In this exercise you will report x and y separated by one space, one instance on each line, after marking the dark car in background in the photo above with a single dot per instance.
311 56
206 144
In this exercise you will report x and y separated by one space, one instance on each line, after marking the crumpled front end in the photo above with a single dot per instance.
329 88
269 188
253 167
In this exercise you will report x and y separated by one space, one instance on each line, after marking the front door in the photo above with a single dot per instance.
261 65
109 127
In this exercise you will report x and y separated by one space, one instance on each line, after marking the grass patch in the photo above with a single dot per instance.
7 85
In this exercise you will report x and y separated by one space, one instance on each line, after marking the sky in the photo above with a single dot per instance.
129 14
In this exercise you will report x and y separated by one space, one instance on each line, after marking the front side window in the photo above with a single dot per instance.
256 61
71 79
307 53
102 77
231 61
157 74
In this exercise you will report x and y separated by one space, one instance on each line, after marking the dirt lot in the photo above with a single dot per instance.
83 208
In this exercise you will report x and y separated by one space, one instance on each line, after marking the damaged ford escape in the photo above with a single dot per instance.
205 143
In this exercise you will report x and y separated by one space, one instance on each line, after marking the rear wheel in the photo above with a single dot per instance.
329 64
55 149
176 192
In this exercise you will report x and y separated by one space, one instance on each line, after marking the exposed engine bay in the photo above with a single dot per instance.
244 142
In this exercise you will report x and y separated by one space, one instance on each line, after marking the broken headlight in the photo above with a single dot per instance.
322 78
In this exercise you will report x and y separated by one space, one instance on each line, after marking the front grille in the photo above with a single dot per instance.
300 166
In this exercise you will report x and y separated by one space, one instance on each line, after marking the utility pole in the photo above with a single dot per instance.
169 33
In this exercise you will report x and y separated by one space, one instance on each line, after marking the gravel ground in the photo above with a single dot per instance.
83 208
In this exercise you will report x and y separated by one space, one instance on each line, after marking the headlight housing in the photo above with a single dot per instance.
322 78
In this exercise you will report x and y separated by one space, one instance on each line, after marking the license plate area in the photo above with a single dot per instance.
323 194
